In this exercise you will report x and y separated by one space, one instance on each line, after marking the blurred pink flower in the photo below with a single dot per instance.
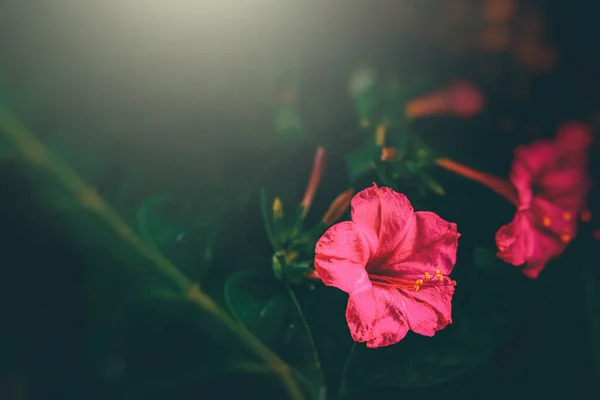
394 263
552 183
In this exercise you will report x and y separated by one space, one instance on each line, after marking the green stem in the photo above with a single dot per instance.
36 153
308 331
343 384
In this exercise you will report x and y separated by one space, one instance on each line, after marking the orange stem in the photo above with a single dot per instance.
501 186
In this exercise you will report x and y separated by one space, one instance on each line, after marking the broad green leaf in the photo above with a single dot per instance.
188 244
154 229
269 309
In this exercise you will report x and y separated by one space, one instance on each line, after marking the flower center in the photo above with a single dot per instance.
554 226
435 279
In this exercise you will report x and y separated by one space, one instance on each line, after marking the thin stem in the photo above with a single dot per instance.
501 186
266 220
343 384
307 328
36 153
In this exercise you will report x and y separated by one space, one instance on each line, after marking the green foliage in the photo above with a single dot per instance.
269 309
189 244
115 254
362 160
150 335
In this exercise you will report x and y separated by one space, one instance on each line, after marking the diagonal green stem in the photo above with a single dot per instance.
36 153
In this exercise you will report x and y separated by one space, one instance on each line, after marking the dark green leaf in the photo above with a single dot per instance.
269 309
361 160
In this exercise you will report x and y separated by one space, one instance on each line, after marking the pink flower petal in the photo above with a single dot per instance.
573 136
522 242
429 309
376 315
430 243
511 247
385 217
529 161
341 255
565 187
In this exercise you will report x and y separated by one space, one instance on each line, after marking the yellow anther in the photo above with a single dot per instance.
291 256
419 281
565 238
440 278
437 272
567 216
427 276
277 209
416 288
546 221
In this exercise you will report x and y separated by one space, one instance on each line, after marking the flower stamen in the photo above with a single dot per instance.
546 221
430 280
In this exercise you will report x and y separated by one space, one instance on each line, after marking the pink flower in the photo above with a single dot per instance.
552 184
394 263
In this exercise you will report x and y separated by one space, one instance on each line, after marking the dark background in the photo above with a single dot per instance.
192 106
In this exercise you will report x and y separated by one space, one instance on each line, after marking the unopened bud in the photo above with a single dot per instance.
277 209
462 99
338 207
314 180
388 153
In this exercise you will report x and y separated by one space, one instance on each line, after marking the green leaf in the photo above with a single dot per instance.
190 245
288 124
484 315
361 160
268 308
154 229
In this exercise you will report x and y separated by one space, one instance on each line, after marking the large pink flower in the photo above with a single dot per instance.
394 263
552 183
